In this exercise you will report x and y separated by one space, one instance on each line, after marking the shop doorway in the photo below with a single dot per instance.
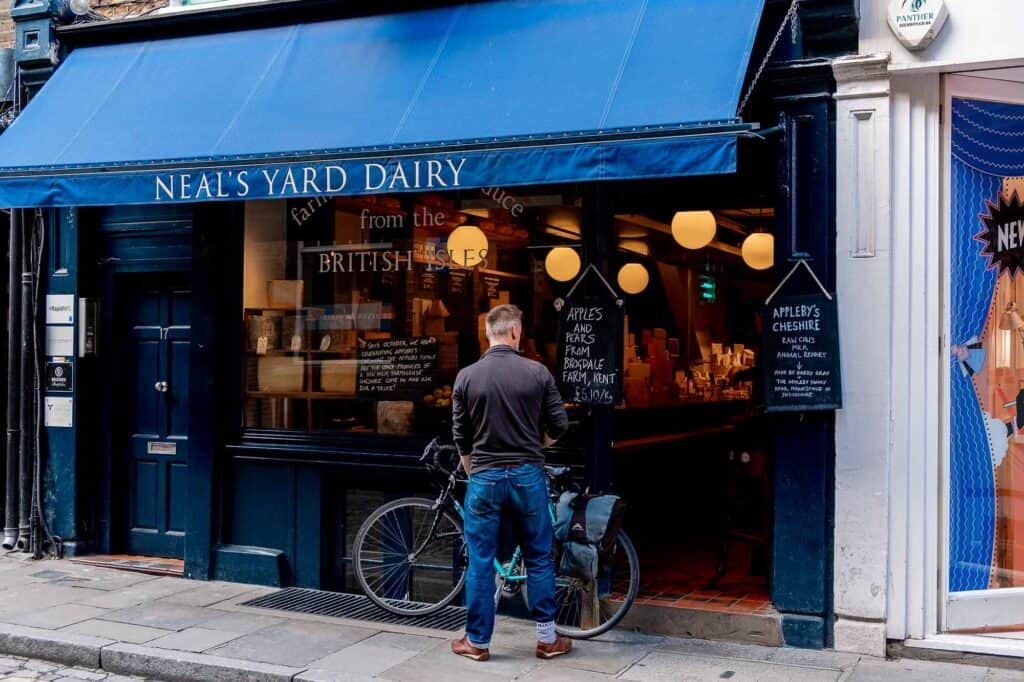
983 586
150 436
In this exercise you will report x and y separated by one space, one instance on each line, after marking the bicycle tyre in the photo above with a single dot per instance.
626 545
396 606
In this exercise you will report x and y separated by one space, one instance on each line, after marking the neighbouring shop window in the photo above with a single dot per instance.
359 311
986 363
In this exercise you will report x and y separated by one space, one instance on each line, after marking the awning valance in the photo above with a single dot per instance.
496 93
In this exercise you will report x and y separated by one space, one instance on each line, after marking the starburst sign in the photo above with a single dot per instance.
1003 234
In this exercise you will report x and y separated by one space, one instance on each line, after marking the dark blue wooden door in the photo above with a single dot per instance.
156 332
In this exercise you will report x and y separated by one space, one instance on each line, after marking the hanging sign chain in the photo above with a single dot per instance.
791 273
789 18
559 302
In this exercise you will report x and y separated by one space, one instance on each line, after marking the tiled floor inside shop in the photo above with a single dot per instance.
684 578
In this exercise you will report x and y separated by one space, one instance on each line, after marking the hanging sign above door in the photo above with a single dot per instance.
800 350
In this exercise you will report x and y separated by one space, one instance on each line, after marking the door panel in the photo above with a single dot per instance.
155 325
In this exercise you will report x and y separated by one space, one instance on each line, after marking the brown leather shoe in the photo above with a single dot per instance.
561 645
462 647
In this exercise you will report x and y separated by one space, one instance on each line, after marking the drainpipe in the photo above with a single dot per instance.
13 386
25 475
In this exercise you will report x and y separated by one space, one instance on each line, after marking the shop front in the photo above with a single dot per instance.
282 267
930 126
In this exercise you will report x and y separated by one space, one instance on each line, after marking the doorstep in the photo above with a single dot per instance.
1002 652
748 626
150 565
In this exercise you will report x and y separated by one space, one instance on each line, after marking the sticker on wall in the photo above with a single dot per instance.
60 309
58 412
916 23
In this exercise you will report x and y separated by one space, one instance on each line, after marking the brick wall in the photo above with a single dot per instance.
110 8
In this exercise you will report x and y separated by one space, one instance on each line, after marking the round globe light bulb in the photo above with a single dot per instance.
758 251
562 263
467 246
633 278
694 229
80 8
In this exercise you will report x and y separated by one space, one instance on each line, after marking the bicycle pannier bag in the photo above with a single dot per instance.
587 526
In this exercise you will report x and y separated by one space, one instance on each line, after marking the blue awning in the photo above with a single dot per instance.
498 93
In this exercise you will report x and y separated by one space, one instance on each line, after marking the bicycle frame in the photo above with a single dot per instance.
505 571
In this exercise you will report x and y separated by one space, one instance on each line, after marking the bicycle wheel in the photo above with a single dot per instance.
410 558
586 609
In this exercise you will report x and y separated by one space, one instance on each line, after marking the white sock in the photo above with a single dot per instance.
546 633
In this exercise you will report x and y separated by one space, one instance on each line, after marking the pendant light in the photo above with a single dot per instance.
694 229
562 263
758 251
633 278
467 245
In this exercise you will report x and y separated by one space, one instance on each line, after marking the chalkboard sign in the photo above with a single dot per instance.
397 368
590 351
800 354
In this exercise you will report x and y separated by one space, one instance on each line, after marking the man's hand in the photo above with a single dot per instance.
549 441
467 463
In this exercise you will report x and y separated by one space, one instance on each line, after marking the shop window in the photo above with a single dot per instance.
359 311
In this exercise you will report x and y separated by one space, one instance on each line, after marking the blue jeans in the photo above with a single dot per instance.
521 495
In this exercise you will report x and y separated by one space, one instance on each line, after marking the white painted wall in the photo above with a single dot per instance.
864 285
977 32
891 279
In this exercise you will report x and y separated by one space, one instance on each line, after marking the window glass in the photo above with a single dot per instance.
359 311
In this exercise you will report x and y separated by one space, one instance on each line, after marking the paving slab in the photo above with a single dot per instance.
149 590
208 594
122 632
242 623
609 658
58 616
52 645
315 675
415 670
293 643
134 659
194 639
909 670
506 661
547 672
665 666
161 615
375 654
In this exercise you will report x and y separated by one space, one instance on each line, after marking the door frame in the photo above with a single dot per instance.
975 608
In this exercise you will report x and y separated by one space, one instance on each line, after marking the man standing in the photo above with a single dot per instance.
505 409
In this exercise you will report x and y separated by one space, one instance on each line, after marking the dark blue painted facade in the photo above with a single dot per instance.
263 507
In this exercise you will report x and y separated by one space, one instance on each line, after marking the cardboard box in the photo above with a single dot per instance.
339 376
284 293
280 374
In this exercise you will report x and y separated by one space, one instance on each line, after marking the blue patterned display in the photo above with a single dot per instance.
987 146
971 483
989 137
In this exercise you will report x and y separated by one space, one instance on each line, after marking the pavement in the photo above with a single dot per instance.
60 620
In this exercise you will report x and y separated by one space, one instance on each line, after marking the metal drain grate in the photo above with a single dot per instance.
355 607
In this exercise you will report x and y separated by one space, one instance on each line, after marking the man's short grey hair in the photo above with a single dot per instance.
501 320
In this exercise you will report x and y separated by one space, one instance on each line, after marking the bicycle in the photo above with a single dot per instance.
410 558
